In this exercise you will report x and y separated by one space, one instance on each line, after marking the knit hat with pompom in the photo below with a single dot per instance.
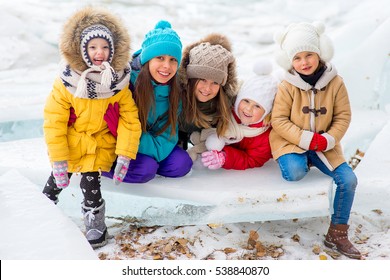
300 37
162 40
260 88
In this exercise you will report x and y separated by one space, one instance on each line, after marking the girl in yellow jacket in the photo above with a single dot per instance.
94 74
310 116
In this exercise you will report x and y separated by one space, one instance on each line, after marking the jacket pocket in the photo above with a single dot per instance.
75 149
106 152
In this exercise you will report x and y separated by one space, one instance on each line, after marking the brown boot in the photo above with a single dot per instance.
337 238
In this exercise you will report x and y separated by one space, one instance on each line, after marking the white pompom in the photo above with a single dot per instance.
262 66
213 142
320 27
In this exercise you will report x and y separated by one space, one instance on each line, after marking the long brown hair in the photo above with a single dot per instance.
194 115
144 98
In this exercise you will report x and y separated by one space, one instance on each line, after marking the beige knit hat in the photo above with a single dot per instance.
299 37
209 62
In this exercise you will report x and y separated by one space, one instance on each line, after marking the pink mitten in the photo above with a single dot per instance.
60 173
112 118
213 159
122 164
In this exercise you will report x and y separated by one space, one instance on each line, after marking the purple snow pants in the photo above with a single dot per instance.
145 168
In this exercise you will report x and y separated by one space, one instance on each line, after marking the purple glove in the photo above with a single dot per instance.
213 159
122 164
112 118
72 117
60 173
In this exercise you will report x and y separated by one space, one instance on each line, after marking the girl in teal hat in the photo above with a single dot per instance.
155 90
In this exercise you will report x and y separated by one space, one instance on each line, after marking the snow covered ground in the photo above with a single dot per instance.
30 30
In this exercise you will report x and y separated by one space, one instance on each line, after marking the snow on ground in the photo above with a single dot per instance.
26 235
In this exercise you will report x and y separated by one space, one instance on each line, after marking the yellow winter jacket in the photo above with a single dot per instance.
88 145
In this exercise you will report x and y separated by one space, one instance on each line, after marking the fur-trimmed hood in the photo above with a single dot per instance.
231 85
70 40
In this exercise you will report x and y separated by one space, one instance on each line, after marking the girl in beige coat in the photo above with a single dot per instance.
310 116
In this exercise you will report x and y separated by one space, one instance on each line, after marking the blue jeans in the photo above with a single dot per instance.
295 166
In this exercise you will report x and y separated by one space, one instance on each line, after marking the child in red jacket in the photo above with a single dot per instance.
246 142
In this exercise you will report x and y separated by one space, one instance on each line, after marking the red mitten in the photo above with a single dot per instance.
322 143
318 143
213 159
72 117
112 118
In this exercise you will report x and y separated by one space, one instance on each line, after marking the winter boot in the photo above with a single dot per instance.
337 238
96 229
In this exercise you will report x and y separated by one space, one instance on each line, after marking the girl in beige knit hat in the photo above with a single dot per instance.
208 83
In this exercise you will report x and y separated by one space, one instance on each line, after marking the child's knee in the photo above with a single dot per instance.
294 175
350 181
293 172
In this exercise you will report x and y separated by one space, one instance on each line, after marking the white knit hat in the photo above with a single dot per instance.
300 37
260 88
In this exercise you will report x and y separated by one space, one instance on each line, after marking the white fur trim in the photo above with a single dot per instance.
331 142
306 137
325 160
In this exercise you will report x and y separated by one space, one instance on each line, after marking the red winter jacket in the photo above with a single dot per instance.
250 152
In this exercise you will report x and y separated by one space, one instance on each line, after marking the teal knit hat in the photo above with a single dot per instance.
162 40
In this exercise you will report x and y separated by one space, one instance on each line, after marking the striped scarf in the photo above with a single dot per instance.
97 82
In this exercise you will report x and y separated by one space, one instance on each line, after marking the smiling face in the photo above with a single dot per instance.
306 63
98 50
206 90
163 68
249 111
